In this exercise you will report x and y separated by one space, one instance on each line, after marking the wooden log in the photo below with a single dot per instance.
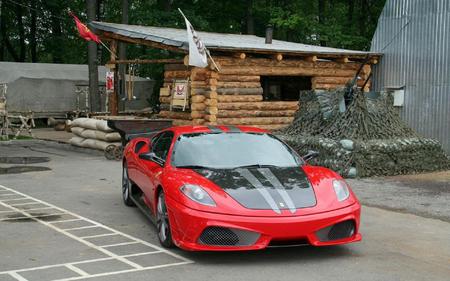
273 127
164 92
288 71
197 114
211 102
240 91
240 55
175 115
331 80
238 84
164 99
212 82
202 90
211 95
198 98
278 57
211 110
311 58
198 122
210 118
328 86
198 106
239 98
298 62
255 113
177 74
177 122
238 78
255 120
342 60
199 83
262 105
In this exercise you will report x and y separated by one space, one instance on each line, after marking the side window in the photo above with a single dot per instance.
161 144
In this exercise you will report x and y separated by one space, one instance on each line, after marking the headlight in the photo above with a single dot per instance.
197 194
341 190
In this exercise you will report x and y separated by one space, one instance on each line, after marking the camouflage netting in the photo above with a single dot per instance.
367 138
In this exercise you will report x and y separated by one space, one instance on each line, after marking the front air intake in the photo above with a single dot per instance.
223 236
341 230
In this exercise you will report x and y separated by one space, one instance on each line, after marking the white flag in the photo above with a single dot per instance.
197 50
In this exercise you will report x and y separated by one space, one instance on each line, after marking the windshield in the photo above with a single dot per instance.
232 150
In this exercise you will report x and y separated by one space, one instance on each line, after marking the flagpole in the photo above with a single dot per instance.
207 51
209 55
101 42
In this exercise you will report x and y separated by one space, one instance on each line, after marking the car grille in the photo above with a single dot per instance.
344 229
223 236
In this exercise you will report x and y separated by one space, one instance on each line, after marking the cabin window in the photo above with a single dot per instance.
284 88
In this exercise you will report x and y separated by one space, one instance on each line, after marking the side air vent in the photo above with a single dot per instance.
223 236
337 231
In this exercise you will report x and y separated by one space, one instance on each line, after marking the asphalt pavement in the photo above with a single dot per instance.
67 222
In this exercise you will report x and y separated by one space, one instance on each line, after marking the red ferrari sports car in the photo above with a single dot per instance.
228 188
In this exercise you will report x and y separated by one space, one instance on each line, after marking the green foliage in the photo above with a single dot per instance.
334 23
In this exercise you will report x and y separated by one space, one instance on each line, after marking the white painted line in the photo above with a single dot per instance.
125 271
6 194
89 244
53 222
81 227
119 244
142 254
23 204
77 270
104 226
1 212
17 276
99 235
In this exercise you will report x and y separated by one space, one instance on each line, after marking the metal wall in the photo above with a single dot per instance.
414 37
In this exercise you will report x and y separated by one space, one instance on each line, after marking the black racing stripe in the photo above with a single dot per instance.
215 129
233 129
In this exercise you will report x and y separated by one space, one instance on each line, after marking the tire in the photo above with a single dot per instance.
126 187
162 222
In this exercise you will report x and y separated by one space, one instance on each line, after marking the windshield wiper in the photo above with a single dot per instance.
193 167
255 166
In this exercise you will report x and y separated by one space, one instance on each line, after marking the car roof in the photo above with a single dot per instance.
215 128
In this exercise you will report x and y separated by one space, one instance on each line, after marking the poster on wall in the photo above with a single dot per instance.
109 82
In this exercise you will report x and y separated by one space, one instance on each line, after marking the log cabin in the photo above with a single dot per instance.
257 79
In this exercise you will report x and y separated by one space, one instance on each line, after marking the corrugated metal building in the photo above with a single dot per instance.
414 37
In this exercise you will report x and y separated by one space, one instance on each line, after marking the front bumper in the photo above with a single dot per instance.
187 226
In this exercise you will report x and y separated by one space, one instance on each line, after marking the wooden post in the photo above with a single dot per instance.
113 104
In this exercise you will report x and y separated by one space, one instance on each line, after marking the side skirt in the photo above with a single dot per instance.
138 199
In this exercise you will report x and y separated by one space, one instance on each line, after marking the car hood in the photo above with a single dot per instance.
274 188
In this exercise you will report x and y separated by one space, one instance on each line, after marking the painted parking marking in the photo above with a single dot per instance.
124 257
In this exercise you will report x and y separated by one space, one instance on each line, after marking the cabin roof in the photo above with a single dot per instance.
174 38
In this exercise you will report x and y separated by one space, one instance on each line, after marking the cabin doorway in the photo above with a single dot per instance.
284 88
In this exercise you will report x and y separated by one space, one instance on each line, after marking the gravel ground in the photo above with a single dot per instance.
426 195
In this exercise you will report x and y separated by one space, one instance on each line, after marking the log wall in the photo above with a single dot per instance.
234 96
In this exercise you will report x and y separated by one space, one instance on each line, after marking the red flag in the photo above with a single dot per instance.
84 31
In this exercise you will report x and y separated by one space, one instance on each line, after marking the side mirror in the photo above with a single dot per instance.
151 156
310 155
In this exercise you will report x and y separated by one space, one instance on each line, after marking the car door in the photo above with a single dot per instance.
150 171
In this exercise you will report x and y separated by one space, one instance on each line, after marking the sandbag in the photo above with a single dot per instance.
102 125
76 141
77 131
89 134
